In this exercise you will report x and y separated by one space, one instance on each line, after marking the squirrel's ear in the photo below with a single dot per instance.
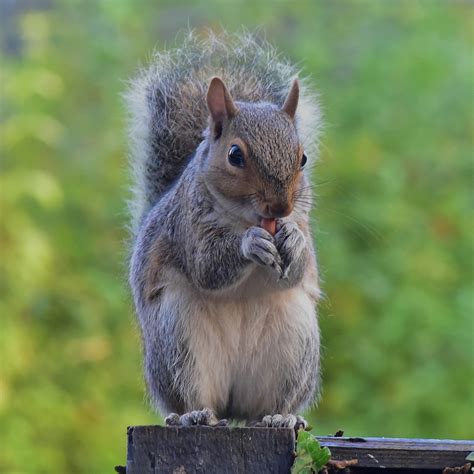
291 101
220 104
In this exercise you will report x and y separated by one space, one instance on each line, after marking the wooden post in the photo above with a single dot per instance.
221 450
178 450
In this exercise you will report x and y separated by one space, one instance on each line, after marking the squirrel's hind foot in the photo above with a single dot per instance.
281 421
204 417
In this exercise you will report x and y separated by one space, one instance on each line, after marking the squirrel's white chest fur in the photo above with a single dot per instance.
243 348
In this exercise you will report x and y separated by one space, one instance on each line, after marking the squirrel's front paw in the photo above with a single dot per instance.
290 243
259 247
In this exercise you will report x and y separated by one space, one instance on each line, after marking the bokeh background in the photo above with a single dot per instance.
392 223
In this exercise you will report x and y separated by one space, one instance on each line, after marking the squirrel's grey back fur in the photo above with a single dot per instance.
168 112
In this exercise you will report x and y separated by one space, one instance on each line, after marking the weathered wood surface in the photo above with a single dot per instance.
399 452
200 449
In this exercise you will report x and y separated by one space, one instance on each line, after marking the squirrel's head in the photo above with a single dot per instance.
255 158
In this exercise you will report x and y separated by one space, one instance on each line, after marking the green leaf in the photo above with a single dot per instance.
302 465
303 438
310 456
470 457
313 447
324 456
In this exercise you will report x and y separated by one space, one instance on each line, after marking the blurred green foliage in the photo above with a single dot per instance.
392 220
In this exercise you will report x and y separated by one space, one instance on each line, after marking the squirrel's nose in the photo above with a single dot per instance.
278 209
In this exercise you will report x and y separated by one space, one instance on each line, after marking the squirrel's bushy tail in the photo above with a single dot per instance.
168 112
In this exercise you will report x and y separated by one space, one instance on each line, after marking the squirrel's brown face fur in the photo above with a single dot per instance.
270 174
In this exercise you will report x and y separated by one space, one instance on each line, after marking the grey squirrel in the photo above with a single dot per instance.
223 270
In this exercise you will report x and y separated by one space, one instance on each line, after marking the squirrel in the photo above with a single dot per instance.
223 270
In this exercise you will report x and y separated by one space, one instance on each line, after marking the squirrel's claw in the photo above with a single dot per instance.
278 267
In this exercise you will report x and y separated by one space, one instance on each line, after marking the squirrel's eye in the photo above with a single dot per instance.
304 159
235 156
